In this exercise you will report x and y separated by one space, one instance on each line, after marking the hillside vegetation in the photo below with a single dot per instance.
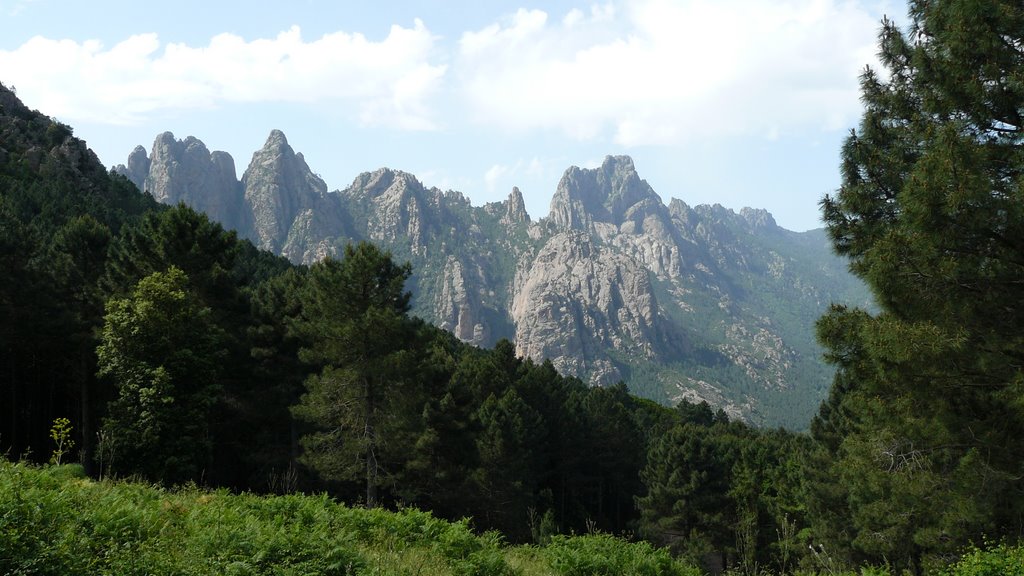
55 520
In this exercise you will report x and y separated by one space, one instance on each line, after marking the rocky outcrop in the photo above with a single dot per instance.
186 171
314 233
278 185
137 169
610 194
393 206
579 303
758 219
44 146
458 309
515 209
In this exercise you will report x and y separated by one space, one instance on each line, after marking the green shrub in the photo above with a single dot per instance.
465 553
606 555
1000 560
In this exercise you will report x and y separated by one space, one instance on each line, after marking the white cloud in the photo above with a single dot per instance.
14 8
572 18
662 71
499 178
388 81
494 174
604 11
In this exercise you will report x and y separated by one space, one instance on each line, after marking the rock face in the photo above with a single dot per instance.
279 186
137 169
393 206
515 211
579 301
186 171
681 302
608 195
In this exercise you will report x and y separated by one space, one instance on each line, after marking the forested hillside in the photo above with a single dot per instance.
178 353
146 342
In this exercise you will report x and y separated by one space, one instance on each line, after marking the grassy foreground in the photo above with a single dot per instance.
54 520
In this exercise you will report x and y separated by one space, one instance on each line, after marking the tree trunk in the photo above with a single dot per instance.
371 479
87 433
371 450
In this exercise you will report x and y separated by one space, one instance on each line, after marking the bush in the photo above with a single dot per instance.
606 555
464 553
1001 560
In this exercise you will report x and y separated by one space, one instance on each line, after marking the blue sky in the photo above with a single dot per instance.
739 102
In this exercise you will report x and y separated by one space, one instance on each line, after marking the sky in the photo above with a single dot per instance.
735 102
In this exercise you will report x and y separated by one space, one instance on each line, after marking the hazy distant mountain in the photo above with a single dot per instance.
700 302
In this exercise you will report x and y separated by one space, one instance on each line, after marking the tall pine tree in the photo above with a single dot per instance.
924 425
355 320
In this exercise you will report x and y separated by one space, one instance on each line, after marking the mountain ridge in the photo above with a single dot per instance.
702 302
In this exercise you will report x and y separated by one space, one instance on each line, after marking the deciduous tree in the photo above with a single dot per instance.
162 352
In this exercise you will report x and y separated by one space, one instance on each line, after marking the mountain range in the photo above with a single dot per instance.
700 302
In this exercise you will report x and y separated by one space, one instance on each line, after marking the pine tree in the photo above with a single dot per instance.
265 434
355 318
924 423
614 460
442 455
687 477
181 237
510 463
76 258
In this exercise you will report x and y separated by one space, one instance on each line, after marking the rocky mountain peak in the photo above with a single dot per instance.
605 194
276 139
186 171
193 143
278 185
758 218
515 208
394 204
617 170
679 210
383 181
613 285
276 152
164 140
137 168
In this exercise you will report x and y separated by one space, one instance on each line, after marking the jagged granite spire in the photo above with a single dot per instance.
186 171
515 208
759 218
137 169
278 185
